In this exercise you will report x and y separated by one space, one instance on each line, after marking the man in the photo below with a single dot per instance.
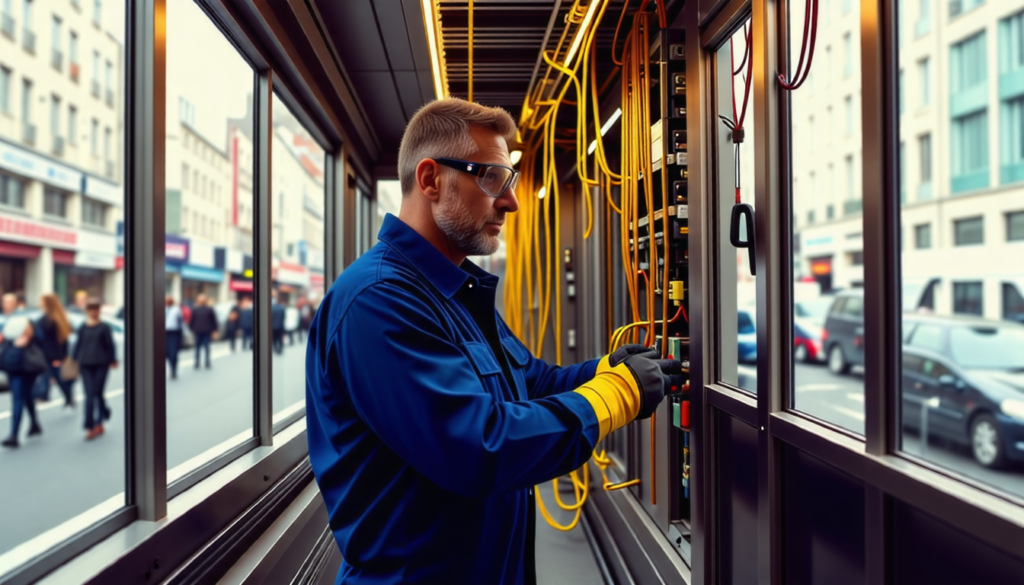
245 321
9 304
174 325
428 422
204 325
231 327
81 299
277 323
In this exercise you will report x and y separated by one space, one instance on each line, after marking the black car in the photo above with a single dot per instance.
842 339
967 376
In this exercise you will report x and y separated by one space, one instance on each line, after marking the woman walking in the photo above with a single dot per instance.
52 335
23 360
94 352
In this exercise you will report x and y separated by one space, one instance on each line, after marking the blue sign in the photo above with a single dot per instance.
200 273
302 252
120 238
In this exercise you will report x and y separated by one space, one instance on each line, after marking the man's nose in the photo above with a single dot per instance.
507 202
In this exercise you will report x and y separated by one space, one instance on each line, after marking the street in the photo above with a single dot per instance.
58 475
840 400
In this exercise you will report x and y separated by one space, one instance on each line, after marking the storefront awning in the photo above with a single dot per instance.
240 285
12 250
189 272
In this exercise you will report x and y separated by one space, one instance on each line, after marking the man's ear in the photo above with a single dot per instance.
428 179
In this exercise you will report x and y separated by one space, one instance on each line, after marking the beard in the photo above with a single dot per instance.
456 221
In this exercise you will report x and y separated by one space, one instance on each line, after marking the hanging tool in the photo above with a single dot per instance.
741 212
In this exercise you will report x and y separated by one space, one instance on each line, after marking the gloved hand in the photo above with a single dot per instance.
619 355
656 378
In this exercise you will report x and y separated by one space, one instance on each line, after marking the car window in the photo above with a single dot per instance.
908 331
912 363
837 306
934 369
854 307
928 337
999 348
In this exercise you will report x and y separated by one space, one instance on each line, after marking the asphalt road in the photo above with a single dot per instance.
58 475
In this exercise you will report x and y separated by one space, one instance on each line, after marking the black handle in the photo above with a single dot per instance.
743 212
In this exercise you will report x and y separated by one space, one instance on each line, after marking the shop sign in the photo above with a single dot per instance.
202 274
821 266
28 164
235 262
201 254
96 250
315 259
104 191
817 242
176 249
21 230
98 260
288 273
241 285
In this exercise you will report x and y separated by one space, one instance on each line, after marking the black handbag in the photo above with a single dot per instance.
35 359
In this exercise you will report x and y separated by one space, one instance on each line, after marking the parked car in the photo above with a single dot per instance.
843 336
969 374
808 326
747 334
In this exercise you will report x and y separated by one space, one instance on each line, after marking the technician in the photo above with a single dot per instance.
428 421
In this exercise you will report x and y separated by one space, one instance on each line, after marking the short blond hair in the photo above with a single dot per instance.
442 129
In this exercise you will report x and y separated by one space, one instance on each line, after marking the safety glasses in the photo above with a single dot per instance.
495 180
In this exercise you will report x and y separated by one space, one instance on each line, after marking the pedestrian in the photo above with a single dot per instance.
305 317
417 390
204 326
23 361
80 300
52 332
231 327
246 322
174 326
9 304
277 313
94 352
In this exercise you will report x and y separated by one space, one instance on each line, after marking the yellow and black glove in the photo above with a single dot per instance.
632 389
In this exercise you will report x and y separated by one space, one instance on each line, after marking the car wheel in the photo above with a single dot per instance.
837 363
800 353
987 442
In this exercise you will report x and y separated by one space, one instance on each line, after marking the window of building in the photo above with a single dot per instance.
108 82
1015 226
967 298
26 14
924 148
848 105
923 236
924 72
968 63
184 175
96 74
106 144
54 116
12 191
1011 44
958 7
97 12
848 55
72 125
968 232
1013 303
55 203
968 105
924 16
970 152
94 137
73 49
94 213
56 57
26 101
5 90
1012 139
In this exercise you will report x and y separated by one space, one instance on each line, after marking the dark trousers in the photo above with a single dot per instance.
41 389
278 341
203 343
172 347
21 397
247 338
232 333
94 378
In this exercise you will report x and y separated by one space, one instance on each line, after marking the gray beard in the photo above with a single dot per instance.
455 220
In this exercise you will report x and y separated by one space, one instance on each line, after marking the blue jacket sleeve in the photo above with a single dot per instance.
418 390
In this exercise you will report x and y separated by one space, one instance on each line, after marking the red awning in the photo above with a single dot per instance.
12 250
65 257
241 285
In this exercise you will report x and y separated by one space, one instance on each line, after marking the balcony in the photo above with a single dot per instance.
28 41
58 146
57 59
28 134
7 25
74 71
109 168
852 207
110 97
95 88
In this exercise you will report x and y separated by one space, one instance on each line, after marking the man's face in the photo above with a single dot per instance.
469 217
10 304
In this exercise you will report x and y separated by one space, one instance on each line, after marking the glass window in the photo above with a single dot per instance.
827 312
97 12
73 49
55 203
924 150
1013 303
297 252
923 236
210 365
928 337
72 125
94 213
737 310
1015 226
1012 137
969 231
924 71
96 71
967 298
94 137
5 90
73 472
26 101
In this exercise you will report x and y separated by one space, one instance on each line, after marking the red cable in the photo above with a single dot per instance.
811 21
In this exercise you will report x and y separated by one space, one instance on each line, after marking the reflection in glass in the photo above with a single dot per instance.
828 306
61 214
209 241
297 246
961 399
737 316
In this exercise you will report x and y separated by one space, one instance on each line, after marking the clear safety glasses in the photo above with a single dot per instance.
495 180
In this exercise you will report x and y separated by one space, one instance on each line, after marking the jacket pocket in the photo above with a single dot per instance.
482 357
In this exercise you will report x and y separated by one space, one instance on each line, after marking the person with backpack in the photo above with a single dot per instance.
174 327
94 352
23 361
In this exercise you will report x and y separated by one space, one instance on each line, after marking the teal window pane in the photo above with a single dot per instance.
970 152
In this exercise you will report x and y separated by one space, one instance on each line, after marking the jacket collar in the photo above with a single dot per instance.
429 261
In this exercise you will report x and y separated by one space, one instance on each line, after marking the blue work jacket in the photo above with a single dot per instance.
428 422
